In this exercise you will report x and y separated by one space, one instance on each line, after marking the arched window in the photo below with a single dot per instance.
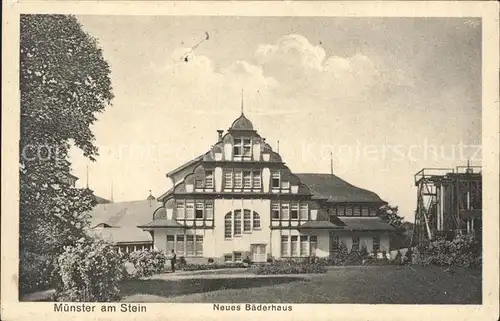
256 221
241 222
237 223
228 221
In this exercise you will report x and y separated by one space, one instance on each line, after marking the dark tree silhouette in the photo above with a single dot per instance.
64 83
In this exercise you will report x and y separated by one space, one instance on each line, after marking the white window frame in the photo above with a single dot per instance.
190 210
209 209
209 179
276 174
284 211
247 179
180 210
294 207
199 205
238 179
256 179
303 211
229 179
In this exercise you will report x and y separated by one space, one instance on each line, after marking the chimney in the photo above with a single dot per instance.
219 134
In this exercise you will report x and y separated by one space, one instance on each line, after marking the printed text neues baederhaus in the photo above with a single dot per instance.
252 307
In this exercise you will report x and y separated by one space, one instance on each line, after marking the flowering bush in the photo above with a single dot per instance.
148 262
291 268
463 250
89 271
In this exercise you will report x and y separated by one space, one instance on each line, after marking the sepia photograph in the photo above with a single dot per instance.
250 162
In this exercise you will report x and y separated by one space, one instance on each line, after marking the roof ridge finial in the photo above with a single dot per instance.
242 113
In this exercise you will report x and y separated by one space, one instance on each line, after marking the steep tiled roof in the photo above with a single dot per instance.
122 234
124 214
334 189
366 223
162 223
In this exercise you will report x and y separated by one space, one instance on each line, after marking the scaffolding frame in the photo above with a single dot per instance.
441 203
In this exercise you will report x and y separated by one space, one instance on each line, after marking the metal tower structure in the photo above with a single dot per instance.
449 202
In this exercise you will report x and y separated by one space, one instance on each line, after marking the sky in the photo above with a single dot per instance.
385 96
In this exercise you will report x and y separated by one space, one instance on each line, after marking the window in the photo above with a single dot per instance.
170 243
356 211
257 182
190 209
247 220
247 179
285 211
294 244
237 256
238 179
199 245
376 244
340 210
373 212
228 220
275 210
256 221
180 209
285 185
247 148
365 211
209 179
348 211
238 147
228 257
189 245
198 182
355 243
275 179
237 223
209 209
314 244
179 245
294 210
304 213
304 245
228 179
199 209
284 246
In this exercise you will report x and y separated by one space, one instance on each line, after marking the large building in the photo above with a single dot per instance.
240 199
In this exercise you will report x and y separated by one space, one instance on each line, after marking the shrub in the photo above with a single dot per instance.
148 262
269 260
35 271
89 271
363 251
202 267
463 250
210 260
182 261
291 268
247 260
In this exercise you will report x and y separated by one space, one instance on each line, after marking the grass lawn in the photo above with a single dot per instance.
363 285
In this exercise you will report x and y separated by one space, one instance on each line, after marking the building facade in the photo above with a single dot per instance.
240 199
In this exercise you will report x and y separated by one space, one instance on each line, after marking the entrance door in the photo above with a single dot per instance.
258 252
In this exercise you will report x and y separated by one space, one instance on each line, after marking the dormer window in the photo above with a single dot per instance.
247 148
238 147
198 183
209 179
242 148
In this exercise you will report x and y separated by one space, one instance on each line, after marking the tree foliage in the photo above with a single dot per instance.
64 84
390 214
